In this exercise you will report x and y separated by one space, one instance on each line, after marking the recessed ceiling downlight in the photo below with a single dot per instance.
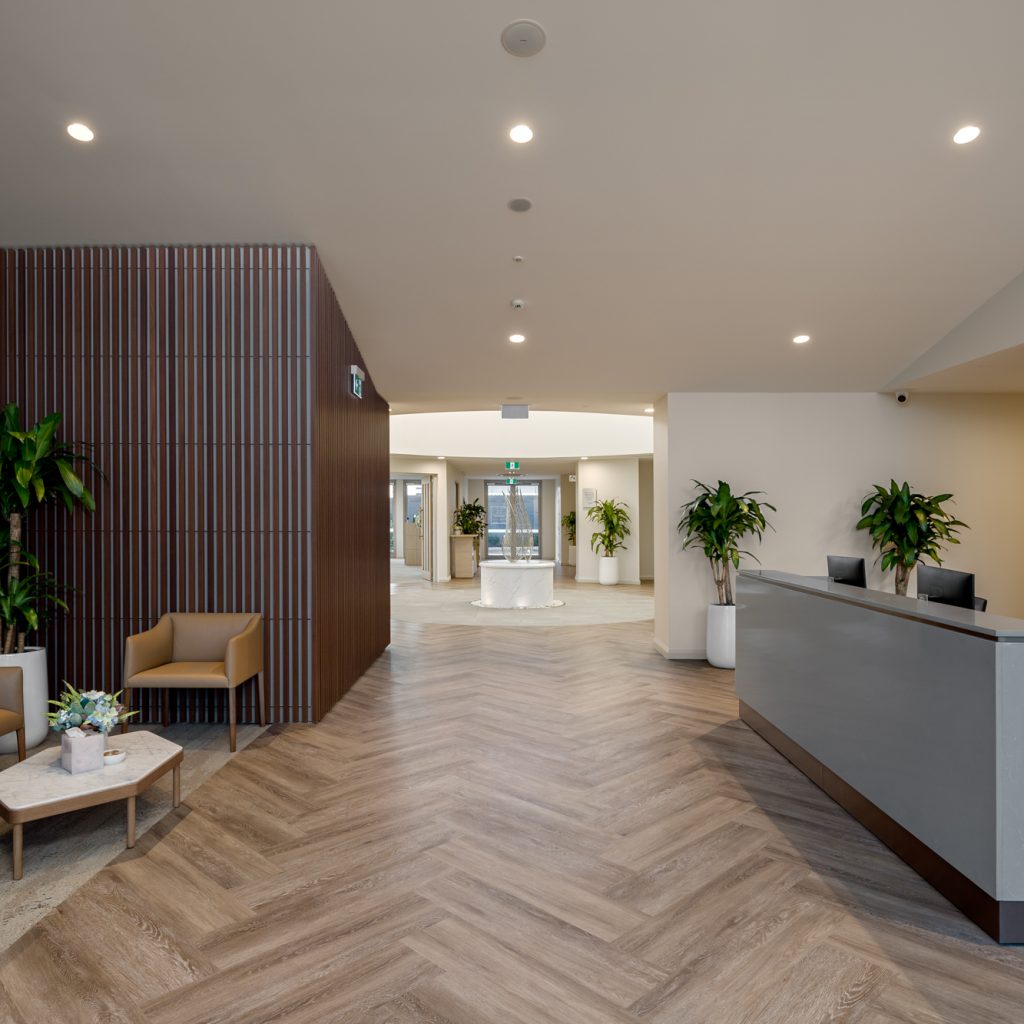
80 132
517 339
521 133
649 408
968 133
520 205
523 38
801 339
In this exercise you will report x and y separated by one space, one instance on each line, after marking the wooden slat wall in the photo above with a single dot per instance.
190 371
350 473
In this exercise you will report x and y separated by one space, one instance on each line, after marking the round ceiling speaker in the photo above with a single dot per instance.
523 38
520 205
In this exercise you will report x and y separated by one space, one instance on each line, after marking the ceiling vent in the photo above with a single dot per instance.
523 38
515 412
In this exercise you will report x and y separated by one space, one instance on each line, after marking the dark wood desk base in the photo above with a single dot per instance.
1002 919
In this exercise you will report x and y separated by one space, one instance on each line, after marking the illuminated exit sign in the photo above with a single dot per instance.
510 480
511 465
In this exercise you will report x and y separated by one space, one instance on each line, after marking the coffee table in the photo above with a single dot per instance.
39 788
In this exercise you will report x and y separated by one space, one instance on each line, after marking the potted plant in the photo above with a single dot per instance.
613 518
906 527
569 525
716 521
84 719
36 469
469 520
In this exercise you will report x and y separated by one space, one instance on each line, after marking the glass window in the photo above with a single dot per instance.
413 500
496 515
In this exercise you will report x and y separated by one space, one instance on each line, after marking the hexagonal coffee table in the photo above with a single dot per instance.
39 788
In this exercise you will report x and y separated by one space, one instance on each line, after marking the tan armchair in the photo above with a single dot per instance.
12 706
197 650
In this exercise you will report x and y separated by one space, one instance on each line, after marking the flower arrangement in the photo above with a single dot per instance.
87 710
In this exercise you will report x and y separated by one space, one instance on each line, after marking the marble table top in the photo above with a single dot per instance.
40 780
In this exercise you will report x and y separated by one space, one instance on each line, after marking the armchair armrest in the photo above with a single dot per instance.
244 657
12 696
149 649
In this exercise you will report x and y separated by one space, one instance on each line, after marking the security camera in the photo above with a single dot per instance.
903 397
518 303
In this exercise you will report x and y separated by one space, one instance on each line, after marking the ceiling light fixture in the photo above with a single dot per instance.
440 458
521 133
968 133
80 132
583 458
649 408
517 339
801 339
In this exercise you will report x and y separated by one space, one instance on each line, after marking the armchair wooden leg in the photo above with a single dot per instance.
261 696
21 743
166 707
127 707
232 721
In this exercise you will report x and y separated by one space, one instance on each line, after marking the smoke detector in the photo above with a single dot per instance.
520 205
523 38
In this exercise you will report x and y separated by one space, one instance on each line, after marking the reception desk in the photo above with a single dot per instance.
909 714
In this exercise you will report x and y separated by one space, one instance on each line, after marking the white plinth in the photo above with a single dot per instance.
517 585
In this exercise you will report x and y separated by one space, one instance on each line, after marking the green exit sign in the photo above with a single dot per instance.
511 465
510 479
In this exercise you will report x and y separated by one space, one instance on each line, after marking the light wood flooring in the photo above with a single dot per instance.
511 827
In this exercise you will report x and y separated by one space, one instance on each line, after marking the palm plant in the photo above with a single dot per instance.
717 521
35 470
27 599
613 517
906 527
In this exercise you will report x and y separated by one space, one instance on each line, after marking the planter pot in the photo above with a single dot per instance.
608 570
82 753
571 558
722 635
33 666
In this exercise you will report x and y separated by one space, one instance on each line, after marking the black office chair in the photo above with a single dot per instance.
980 604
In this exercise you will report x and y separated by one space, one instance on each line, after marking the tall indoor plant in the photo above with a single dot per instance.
36 470
469 519
613 518
907 527
717 521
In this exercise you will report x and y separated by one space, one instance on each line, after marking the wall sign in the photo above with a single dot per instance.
356 378
589 497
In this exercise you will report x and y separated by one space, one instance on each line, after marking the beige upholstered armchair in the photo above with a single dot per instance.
197 650
12 706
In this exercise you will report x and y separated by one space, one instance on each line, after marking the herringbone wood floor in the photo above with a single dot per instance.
512 827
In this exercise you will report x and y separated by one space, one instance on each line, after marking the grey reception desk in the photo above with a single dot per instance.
909 714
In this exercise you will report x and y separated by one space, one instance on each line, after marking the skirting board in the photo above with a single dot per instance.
1002 919
676 654
594 579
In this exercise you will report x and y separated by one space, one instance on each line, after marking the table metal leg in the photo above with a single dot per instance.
176 775
131 822
17 850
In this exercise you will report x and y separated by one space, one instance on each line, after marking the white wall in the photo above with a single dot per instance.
816 456
611 478
544 435
644 527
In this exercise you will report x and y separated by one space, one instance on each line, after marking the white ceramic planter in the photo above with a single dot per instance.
608 570
33 665
571 559
722 635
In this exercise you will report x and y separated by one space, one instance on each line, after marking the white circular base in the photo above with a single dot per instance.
33 666
519 608
517 584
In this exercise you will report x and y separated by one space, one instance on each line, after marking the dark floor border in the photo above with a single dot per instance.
1002 919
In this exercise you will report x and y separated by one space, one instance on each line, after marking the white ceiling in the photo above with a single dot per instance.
709 178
